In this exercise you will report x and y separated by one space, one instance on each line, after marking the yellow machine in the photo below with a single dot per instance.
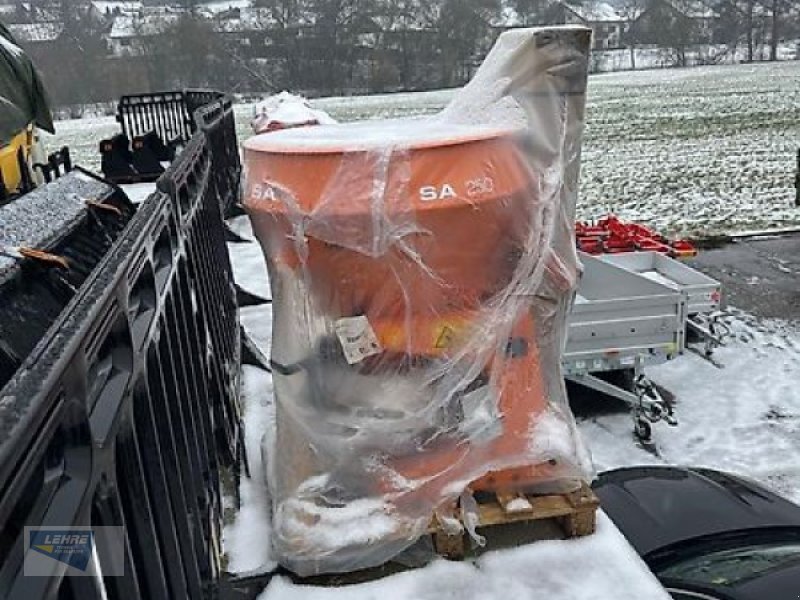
15 160
24 108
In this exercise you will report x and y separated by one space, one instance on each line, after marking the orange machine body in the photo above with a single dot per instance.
417 233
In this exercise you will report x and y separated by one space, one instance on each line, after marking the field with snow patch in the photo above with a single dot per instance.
701 150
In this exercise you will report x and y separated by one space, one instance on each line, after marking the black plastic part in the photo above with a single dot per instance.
233 237
247 587
26 181
156 145
217 120
245 298
797 181
165 113
58 163
4 194
116 159
126 410
145 159
236 210
251 355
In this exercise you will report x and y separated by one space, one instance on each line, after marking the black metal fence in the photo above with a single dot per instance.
126 412
217 120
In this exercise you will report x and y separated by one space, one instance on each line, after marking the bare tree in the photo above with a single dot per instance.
666 26
464 31
185 52
409 35
532 12
286 18
75 67
630 10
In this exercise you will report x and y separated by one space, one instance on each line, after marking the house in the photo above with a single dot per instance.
675 22
31 35
246 27
215 8
128 36
27 12
108 9
8 12
608 23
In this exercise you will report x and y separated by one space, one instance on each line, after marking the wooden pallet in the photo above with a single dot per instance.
574 512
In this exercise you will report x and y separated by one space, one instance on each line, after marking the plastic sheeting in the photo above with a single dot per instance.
22 96
284 111
421 273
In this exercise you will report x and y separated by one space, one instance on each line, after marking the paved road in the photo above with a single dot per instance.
760 275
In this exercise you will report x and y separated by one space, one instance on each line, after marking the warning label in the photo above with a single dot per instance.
357 338
445 337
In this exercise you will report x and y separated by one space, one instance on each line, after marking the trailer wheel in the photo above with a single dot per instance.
643 430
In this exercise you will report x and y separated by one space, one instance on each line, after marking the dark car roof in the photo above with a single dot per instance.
658 507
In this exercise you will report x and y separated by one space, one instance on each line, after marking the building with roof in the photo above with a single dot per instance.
675 23
108 9
129 35
29 34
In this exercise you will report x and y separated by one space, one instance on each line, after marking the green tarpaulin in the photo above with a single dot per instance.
22 96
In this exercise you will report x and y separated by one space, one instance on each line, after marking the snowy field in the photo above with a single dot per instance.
700 150
743 417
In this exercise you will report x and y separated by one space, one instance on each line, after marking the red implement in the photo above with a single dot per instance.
612 235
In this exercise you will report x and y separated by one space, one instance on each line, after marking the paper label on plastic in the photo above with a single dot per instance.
357 338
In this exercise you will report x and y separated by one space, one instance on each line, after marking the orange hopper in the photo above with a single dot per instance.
420 227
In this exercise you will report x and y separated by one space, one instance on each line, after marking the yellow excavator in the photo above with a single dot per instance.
24 110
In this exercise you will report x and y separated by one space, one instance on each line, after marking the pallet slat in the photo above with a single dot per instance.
575 513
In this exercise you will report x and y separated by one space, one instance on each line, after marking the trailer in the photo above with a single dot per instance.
622 321
704 294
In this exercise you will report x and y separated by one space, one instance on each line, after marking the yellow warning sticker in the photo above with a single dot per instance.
445 336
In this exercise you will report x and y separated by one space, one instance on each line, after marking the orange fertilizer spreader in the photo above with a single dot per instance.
421 271
456 208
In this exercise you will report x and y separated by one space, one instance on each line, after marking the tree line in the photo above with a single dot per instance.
324 47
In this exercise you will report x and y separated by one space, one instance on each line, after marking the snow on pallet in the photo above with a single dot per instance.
573 512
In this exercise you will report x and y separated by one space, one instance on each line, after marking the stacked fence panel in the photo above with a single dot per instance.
126 412
176 116
164 113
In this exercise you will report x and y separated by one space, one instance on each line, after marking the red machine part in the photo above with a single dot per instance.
612 235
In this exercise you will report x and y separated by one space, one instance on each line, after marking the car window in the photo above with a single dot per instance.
727 567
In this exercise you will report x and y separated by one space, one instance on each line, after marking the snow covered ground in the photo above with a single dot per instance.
743 417
700 150
608 569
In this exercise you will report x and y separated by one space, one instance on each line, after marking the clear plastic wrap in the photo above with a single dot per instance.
421 273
